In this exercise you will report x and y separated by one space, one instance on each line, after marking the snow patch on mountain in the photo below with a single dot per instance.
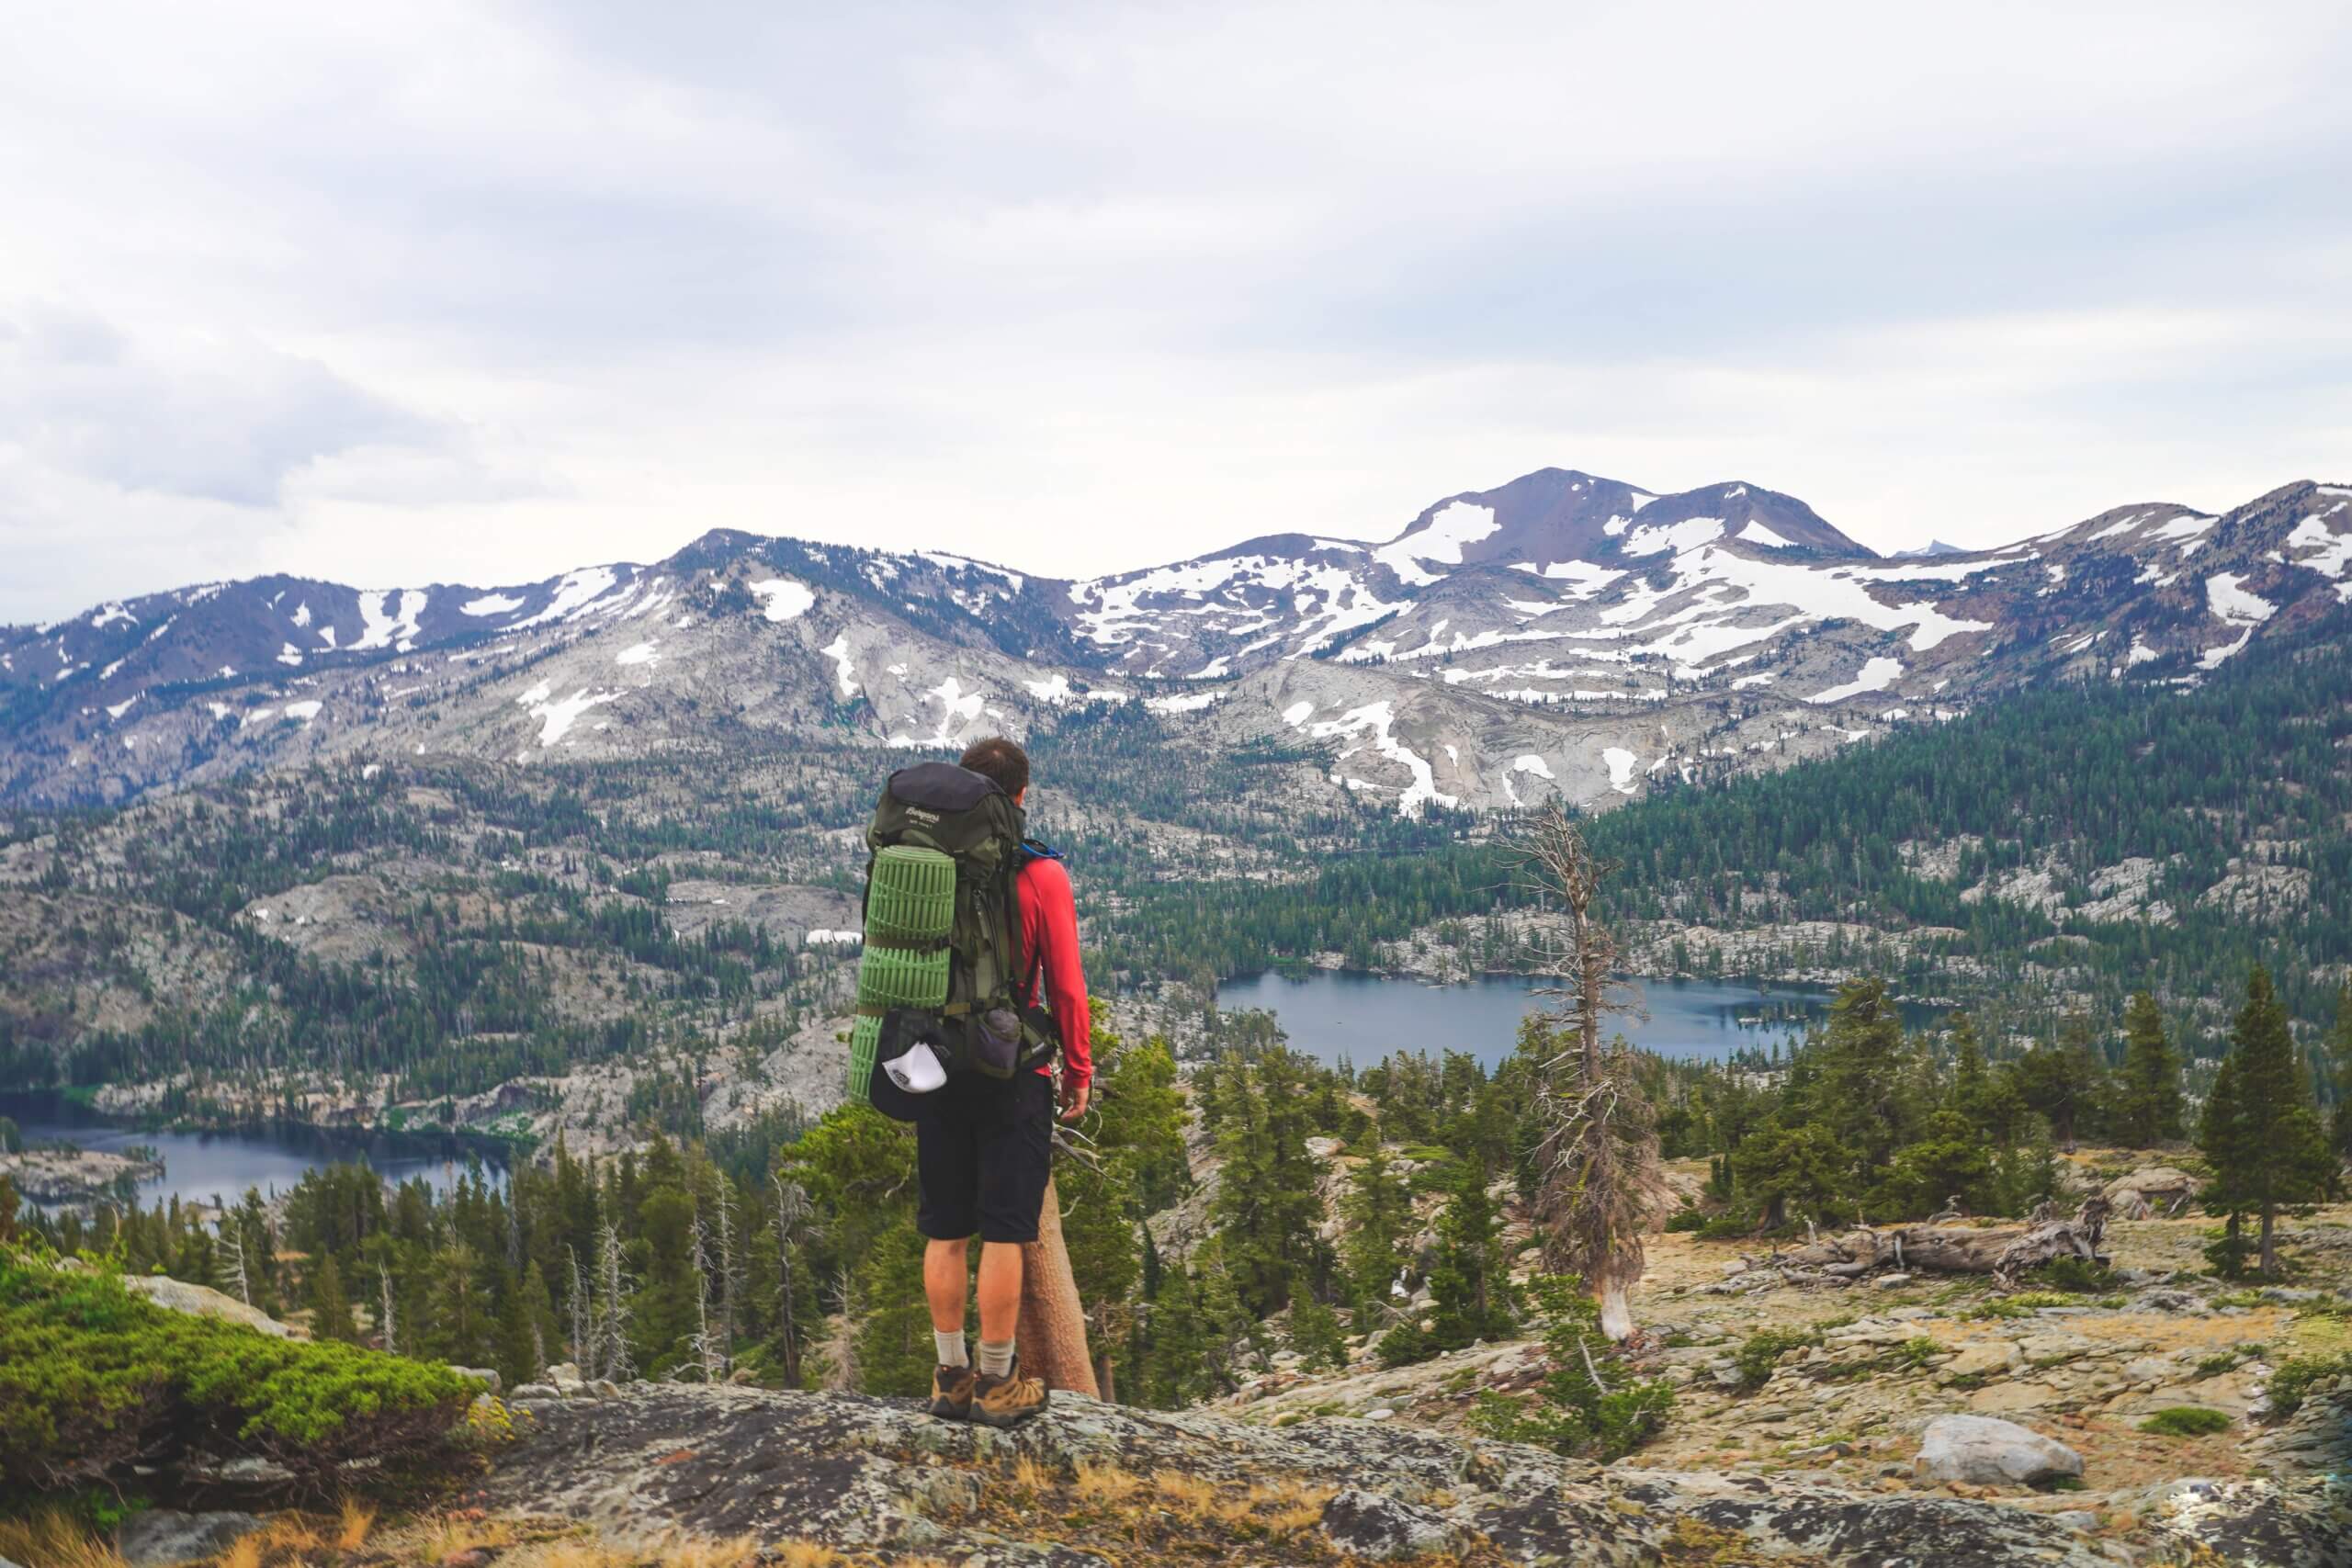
1621 768
1687 534
573 594
1441 540
643 653
1877 675
394 629
1379 719
2227 598
1191 702
783 599
1531 764
556 718
844 675
491 604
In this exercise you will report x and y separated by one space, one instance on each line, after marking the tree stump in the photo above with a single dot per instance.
1053 1320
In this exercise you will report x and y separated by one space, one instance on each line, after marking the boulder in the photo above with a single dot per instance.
2152 1189
156 1536
482 1375
1375 1526
1985 1358
203 1301
1983 1451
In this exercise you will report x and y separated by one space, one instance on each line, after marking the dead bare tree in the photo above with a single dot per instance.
237 1276
1599 1147
384 1315
614 1360
723 1210
583 1346
796 1222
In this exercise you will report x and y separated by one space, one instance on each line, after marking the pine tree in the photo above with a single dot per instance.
1314 1332
2148 1103
2339 1052
1470 1290
2261 1133
1777 1166
1378 1212
330 1308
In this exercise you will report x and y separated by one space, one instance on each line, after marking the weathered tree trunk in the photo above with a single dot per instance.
1053 1320
2004 1252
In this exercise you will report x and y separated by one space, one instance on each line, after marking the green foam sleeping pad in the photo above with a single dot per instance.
910 906
912 900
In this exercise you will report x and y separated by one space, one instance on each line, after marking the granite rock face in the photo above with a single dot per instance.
862 1474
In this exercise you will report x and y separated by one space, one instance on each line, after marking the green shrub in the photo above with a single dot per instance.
1576 1409
2186 1421
1763 1349
1728 1227
2291 1382
93 1377
1687 1220
2080 1275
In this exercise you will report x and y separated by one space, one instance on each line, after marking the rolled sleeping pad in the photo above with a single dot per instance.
910 907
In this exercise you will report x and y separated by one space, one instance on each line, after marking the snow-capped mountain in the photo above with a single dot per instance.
1562 634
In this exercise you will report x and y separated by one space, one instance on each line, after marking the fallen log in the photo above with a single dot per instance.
2003 1251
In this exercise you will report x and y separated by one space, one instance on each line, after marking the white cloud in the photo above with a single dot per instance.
456 293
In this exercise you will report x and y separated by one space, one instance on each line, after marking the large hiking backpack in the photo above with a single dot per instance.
942 962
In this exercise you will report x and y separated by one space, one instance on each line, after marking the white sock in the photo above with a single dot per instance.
951 1348
996 1360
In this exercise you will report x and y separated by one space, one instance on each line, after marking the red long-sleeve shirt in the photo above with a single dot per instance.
1049 937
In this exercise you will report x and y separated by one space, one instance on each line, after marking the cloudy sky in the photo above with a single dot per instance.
451 292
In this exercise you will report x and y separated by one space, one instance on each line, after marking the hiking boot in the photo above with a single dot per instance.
1007 1401
951 1392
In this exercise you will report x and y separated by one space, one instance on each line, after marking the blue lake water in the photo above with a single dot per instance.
1330 1014
203 1167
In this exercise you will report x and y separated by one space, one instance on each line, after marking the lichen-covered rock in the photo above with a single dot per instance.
861 1474
2257 1522
1374 1525
1986 1452
157 1536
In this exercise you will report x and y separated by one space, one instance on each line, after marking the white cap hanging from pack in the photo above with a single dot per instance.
918 1071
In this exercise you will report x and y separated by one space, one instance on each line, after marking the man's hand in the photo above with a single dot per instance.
1075 1094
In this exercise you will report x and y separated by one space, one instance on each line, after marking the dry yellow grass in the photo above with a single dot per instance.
1186 1495
1105 1485
351 1524
736 1551
807 1554
443 1536
243 1552
52 1539
566 1551
1031 1476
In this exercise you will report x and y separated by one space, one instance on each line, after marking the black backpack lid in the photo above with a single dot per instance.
942 786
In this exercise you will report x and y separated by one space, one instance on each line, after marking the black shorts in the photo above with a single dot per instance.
982 1155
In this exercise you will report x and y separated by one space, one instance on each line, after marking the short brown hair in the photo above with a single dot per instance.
999 759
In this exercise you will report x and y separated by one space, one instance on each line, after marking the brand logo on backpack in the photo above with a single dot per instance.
917 814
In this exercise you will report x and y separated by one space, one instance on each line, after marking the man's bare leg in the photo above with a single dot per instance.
943 1279
1000 1291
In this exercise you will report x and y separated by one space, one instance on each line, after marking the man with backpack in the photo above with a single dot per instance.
984 1144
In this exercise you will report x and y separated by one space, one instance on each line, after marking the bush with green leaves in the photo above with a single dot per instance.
2291 1383
1763 1349
1579 1408
94 1379
2186 1421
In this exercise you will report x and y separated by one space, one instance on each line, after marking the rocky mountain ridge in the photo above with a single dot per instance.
1560 634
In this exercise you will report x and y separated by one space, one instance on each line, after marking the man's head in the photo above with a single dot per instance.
999 759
